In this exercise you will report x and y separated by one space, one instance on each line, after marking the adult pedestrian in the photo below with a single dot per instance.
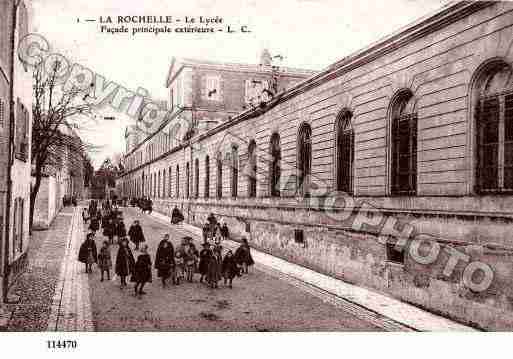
136 234
109 229
214 269
94 225
204 256
205 231
243 256
124 261
225 233
120 229
176 216
87 253
164 260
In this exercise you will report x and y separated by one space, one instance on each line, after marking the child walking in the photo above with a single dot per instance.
230 268
88 253
190 262
142 272
104 260
124 262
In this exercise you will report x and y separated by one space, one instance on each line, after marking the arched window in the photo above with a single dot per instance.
196 178
177 189
494 129
275 163
235 170
207 176
252 169
219 163
304 159
404 144
344 152
187 180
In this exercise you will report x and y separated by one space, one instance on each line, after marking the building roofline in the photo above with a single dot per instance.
447 14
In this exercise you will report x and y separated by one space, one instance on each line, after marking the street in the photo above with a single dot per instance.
257 302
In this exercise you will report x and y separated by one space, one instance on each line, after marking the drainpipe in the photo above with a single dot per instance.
10 156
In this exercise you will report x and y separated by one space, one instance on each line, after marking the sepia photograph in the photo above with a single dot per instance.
238 167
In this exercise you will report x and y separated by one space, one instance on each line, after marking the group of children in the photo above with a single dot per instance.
180 265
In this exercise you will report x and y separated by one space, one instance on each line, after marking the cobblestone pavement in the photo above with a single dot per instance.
258 301
36 286
71 307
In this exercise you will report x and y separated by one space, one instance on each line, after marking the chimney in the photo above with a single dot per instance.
265 58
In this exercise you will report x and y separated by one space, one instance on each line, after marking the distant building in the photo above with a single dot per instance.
16 91
202 95
61 180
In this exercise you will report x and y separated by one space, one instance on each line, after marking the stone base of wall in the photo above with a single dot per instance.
360 258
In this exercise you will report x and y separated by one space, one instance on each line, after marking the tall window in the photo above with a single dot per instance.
19 209
252 169
22 127
344 152
494 130
158 187
187 180
304 159
207 177
177 192
275 163
219 183
235 170
404 145
170 181
196 178
154 185
164 183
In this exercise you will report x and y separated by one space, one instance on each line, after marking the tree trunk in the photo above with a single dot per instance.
33 195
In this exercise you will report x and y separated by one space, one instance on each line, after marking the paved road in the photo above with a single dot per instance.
257 302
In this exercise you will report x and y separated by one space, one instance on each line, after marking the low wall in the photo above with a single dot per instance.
360 257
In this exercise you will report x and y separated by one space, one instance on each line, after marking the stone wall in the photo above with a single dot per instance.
438 60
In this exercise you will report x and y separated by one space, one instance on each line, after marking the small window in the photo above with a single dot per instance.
394 254
248 227
299 236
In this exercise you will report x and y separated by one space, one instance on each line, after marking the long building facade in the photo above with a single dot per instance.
411 137
15 132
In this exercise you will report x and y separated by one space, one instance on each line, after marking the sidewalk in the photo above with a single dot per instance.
406 314
53 291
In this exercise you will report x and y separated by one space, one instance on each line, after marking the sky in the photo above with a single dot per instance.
309 34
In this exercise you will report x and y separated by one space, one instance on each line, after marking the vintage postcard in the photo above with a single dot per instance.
255 166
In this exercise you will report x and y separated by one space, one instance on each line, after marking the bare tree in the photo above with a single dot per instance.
55 142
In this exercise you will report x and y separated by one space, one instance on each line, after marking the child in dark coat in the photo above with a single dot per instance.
230 268
104 260
243 256
124 261
204 256
164 260
142 271
136 234
214 269
88 253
